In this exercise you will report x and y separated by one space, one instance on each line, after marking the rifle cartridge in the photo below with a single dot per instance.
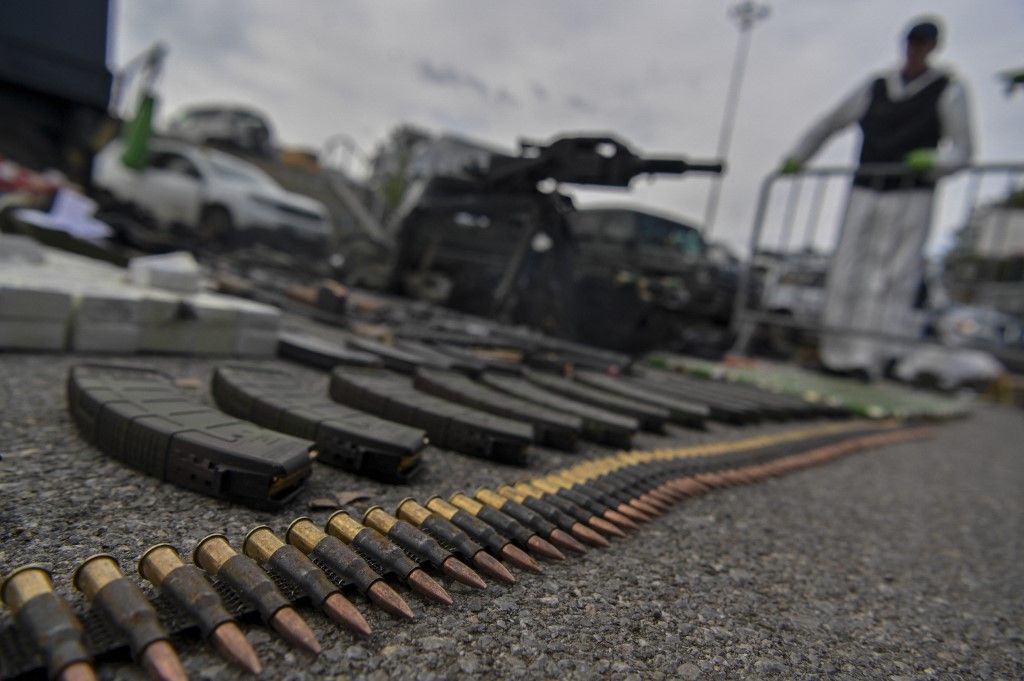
376 546
529 518
627 508
335 554
507 526
498 545
162 566
563 520
266 548
583 515
215 555
49 622
100 579
443 530
560 489
423 545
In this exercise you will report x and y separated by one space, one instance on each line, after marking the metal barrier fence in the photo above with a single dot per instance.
793 242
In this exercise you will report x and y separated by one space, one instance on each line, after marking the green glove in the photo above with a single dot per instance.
790 166
138 133
920 160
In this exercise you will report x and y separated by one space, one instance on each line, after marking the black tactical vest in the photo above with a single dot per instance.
894 128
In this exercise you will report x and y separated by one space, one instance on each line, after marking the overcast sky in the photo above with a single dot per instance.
655 73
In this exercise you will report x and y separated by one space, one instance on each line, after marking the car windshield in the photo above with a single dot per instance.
655 231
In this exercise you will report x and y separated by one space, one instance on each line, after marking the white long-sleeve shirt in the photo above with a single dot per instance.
957 145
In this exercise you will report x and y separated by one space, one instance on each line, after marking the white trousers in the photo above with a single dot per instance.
874 278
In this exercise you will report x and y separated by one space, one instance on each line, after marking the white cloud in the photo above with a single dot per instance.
653 72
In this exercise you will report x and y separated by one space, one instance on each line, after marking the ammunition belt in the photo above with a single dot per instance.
622 476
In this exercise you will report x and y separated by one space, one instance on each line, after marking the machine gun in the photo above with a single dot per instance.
486 236
593 160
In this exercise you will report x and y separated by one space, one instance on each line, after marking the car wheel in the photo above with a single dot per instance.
215 224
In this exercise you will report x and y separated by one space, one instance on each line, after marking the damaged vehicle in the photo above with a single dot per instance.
218 196
665 280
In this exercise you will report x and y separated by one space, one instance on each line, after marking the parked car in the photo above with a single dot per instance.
653 273
219 195
231 127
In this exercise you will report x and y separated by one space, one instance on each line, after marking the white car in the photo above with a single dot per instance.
218 194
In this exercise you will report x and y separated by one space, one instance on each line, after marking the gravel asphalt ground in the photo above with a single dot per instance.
901 563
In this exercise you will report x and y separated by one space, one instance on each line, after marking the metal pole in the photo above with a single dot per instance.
746 14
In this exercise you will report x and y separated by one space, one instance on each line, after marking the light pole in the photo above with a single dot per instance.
746 14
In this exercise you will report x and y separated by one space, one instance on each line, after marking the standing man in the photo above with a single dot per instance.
915 116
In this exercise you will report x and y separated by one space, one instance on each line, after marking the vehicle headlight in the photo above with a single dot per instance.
263 201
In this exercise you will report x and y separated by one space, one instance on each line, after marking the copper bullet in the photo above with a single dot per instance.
610 529
186 585
78 671
520 559
645 506
566 541
544 548
294 629
660 505
458 570
692 487
734 477
215 555
709 479
265 547
419 543
232 645
661 493
425 585
343 612
493 567
726 480
388 599
584 533
100 578
507 526
381 549
544 527
313 541
412 512
162 662
626 516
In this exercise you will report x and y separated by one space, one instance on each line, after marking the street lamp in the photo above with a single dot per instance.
746 15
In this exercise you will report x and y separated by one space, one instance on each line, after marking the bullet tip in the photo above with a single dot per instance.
389 600
520 559
620 520
232 645
294 629
343 612
493 567
78 671
564 540
631 512
662 503
162 662
544 548
461 572
609 528
588 535
425 585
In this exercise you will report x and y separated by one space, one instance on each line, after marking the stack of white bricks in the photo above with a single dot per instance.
51 300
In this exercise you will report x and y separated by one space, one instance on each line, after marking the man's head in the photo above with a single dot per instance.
922 39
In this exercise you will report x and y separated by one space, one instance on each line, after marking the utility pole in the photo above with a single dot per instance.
746 15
